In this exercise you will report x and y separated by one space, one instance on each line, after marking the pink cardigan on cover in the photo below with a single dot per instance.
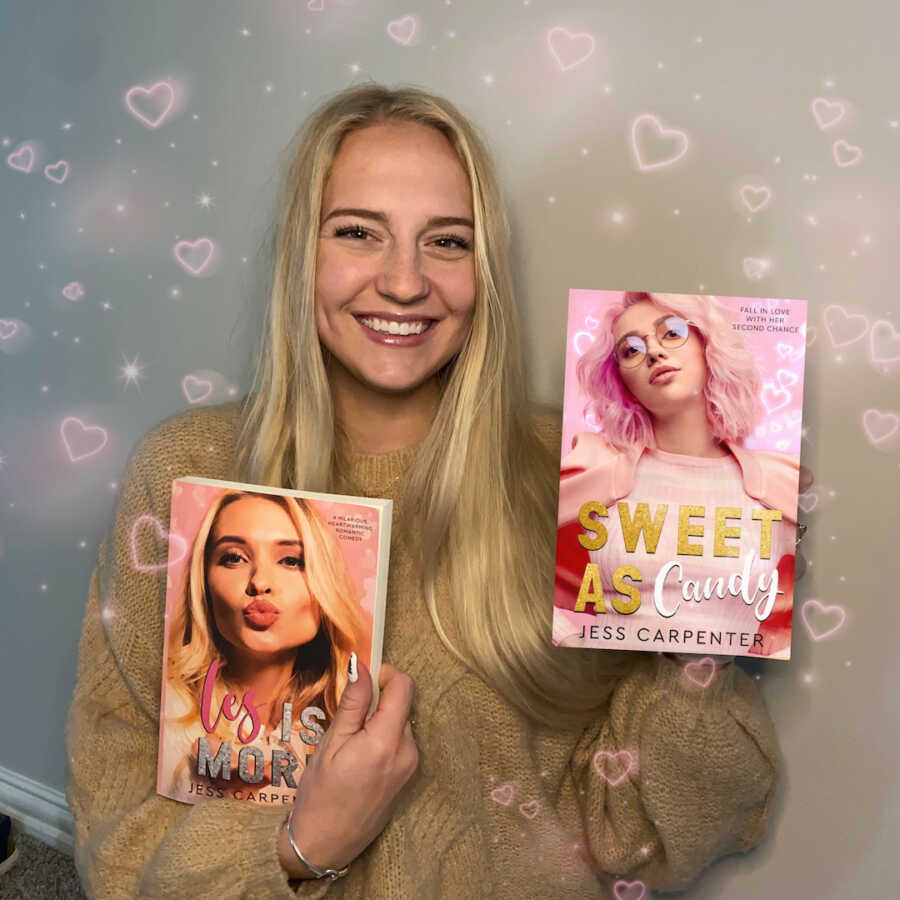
593 470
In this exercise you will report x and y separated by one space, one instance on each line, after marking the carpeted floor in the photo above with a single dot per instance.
40 873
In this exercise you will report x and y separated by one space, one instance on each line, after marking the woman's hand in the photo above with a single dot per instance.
345 796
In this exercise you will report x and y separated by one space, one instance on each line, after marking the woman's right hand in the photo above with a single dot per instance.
345 796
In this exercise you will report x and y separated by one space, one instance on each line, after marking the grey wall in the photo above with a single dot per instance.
738 79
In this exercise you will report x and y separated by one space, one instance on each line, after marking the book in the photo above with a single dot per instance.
268 591
688 547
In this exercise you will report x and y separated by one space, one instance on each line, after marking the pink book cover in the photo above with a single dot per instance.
268 591
679 473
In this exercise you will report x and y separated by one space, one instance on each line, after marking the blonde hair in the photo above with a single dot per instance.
483 487
320 666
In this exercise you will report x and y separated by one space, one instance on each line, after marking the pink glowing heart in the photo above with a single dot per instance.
846 154
701 672
884 343
653 145
808 501
81 441
176 544
569 48
786 378
194 256
504 794
58 172
774 398
844 328
785 351
590 322
755 198
581 340
196 390
402 30
21 159
530 809
629 890
7 329
755 268
821 621
73 291
879 426
315 5
623 761
827 112
150 105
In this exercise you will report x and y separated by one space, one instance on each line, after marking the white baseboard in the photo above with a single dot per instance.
36 809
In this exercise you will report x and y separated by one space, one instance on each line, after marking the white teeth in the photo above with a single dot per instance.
386 327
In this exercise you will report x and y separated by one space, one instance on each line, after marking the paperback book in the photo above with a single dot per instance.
268 592
679 473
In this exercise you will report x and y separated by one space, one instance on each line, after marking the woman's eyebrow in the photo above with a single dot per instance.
638 334
235 539
433 222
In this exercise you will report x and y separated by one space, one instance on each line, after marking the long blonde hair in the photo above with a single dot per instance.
483 486
320 666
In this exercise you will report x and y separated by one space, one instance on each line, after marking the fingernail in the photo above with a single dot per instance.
352 673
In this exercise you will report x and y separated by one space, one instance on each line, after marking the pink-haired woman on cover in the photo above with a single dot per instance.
675 393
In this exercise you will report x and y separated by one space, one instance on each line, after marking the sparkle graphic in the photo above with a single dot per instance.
206 201
131 371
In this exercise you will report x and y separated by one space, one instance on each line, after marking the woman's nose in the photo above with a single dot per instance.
401 277
258 584
654 348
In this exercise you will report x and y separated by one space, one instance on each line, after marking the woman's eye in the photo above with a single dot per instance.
230 557
353 231
297 561
629 351
451 242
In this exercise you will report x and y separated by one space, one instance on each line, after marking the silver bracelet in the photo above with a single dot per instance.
330 874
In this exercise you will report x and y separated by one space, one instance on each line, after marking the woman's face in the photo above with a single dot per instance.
666 381
395 273
256 579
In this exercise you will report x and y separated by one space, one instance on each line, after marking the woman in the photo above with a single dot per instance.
390 366
675 393
268 616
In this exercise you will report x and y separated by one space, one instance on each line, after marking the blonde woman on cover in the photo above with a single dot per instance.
390 365
268 600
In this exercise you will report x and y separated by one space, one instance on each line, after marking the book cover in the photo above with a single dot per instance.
679 473
268 591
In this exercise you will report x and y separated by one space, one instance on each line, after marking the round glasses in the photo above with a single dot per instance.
671 333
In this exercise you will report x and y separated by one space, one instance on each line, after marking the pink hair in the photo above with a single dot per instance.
732 382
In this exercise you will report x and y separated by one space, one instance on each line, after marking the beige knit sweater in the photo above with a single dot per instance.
498 808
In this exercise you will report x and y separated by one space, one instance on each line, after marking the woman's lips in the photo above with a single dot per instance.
396 340
663 377
260 614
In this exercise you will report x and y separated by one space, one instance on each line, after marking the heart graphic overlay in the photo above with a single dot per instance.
150 105
569 48
57 172
21 159
73 291
822 621
81 441
655 146
176 544
615 766
827 112
630 890
755 198
701 672
879 426
195 389
402 30
504 794
194 256
844 328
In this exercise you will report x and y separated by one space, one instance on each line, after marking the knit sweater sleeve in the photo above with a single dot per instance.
678 774
129 841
